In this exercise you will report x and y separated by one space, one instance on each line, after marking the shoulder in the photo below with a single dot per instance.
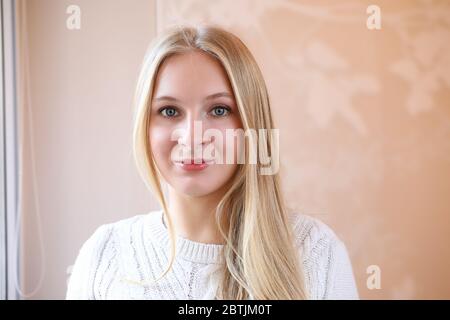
310 231
124 226
106 233
84 270
315 240
326 263
98 252
114 235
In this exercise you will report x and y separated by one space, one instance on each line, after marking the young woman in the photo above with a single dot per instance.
224 231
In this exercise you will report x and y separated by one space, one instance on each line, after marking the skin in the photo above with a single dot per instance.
193 195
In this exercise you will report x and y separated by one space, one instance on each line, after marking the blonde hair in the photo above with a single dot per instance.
261 260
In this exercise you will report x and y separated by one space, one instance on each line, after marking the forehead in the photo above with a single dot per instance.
191 74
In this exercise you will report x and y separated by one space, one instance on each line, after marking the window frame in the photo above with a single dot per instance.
9 234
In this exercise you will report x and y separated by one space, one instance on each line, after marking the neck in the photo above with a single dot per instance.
194 217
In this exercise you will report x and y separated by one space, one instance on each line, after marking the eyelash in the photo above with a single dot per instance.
228 109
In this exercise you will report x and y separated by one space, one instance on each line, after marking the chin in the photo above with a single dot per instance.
193 192
198 188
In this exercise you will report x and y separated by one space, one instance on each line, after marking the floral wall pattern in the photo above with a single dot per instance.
364 121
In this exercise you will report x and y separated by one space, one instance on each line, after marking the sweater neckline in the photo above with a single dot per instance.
193 251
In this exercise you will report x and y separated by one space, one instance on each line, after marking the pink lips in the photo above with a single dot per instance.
192 166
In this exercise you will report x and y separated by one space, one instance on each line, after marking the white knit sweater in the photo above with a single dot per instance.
138 249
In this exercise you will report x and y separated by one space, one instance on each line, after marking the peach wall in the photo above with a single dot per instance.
363 114
81 84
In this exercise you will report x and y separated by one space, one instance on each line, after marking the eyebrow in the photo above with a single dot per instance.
211 96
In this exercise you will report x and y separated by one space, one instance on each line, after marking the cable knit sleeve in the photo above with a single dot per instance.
87 263
340 280
326 264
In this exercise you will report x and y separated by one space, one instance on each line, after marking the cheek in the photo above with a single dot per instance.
233 144
161 144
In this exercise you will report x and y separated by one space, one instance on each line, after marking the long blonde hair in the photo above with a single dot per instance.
261 260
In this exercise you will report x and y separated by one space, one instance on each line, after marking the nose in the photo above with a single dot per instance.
191 137
191 133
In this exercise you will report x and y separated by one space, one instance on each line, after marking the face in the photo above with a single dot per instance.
192 109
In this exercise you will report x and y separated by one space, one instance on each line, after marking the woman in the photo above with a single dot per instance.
224 231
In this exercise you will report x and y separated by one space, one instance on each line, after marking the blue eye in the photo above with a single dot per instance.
221 111
168 112
171 112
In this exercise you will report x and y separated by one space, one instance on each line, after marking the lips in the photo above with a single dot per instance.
192 161
195 162
192 166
